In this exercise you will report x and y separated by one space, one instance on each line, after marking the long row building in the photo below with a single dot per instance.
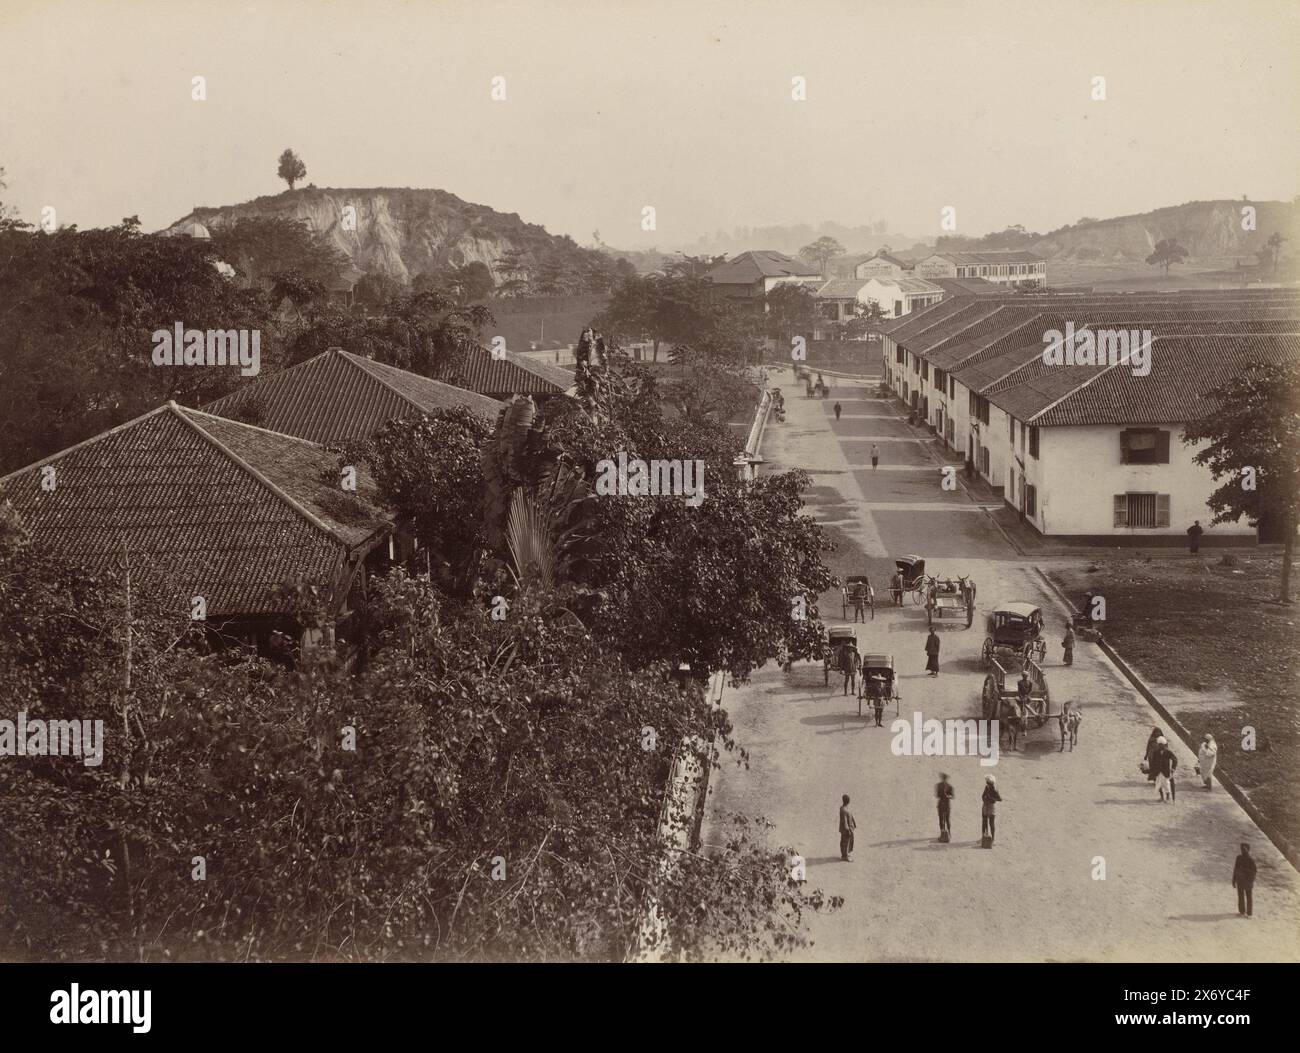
1087 450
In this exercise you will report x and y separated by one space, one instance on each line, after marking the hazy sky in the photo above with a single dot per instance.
686 106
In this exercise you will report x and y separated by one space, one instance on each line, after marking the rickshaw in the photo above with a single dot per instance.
1015 630
838 640
858 586
912 570
946 596
878 681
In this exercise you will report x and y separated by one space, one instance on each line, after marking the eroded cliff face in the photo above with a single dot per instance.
402 232
1206 229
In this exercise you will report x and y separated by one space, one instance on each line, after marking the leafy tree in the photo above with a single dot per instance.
262 247
80 308
865 315
692 266
1271 253
677 311
1167 252
790 309
822 251
291 168
1253 431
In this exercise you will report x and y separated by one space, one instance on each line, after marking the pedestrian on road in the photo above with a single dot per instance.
1164 764
875 455
932 653
878 704
1147 766
838 410
1206 758
852 662
896 588
989 810
1067 644
1243 880
847 825
1194 533
860 604
1024 686
944 792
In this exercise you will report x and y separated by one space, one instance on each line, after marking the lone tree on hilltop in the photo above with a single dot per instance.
291 168
1253 433
822 251
1168 252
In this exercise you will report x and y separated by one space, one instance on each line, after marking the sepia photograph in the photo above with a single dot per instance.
646 483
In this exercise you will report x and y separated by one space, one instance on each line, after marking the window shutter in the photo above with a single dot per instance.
1162 448
1121 510
1162 506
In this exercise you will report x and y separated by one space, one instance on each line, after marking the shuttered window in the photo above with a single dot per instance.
1031 500
1141 511
1143 446
1033 442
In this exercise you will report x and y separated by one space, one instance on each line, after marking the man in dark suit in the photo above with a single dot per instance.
1243 880
847 825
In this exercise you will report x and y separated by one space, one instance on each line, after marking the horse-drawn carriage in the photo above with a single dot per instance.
878 682
946 597
857 592
911 569
1015 630
839 640
1017 710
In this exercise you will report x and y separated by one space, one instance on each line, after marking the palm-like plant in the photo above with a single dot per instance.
546 529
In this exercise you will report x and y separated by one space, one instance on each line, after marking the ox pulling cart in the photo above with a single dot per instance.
950 597
1016 696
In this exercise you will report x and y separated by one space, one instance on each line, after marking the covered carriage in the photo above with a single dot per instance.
1015 630
839 641
878 682
857 589
912 571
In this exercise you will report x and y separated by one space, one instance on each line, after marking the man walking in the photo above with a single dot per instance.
1194 533
896 589
932 653
847 825
1164 764
1067 644
944 793
838 409
875 455
1243 880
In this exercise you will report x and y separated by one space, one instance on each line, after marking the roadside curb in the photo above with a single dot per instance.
1279 840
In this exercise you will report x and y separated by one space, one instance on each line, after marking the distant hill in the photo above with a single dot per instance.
404 232
1210 231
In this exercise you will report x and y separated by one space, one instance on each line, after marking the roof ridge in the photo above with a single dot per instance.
259 476
356 362
253 427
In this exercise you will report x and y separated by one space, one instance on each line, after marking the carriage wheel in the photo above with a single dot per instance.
986 655
918 595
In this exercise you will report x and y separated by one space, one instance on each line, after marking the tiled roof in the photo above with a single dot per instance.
1183 369
749 267
477 370
223 510
840 288
968 286
915 286
966 259
338 396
